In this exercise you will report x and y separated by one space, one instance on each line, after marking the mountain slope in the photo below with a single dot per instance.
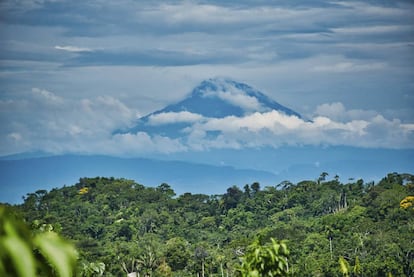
222 97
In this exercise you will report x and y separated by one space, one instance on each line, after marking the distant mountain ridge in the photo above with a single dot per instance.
208 172
21 176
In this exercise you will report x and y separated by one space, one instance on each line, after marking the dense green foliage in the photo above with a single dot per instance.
269 260
331 228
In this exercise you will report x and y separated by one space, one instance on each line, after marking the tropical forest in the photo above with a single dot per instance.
117 227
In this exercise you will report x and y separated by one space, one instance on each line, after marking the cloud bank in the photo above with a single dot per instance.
45 121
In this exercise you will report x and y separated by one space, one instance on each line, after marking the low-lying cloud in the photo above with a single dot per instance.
277 129
44 121
172 117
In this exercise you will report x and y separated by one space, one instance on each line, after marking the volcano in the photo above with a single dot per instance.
213 98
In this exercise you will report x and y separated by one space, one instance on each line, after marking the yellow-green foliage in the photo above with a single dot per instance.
344 266
84 190
407 202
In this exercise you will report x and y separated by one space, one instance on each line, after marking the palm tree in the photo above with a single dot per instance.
201 254
148 261
322 177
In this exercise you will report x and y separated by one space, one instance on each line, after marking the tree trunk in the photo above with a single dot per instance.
330 247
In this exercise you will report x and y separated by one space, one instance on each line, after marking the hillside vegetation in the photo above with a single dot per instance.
330 228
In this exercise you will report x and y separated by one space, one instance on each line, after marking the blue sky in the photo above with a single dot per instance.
72 72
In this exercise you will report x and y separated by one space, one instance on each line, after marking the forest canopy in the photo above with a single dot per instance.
321 227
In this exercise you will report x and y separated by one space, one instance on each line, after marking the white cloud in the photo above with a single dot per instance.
44 121
234 96
253 123
215 14
44 95
238 99
173 117
408 127
368 9
338 112
141 142
371 30
15 136
275 129
71 48
343 67
333 110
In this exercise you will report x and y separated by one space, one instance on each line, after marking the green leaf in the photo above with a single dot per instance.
59 253
21 255
344 266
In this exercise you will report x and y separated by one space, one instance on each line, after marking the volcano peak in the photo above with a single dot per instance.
212 98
